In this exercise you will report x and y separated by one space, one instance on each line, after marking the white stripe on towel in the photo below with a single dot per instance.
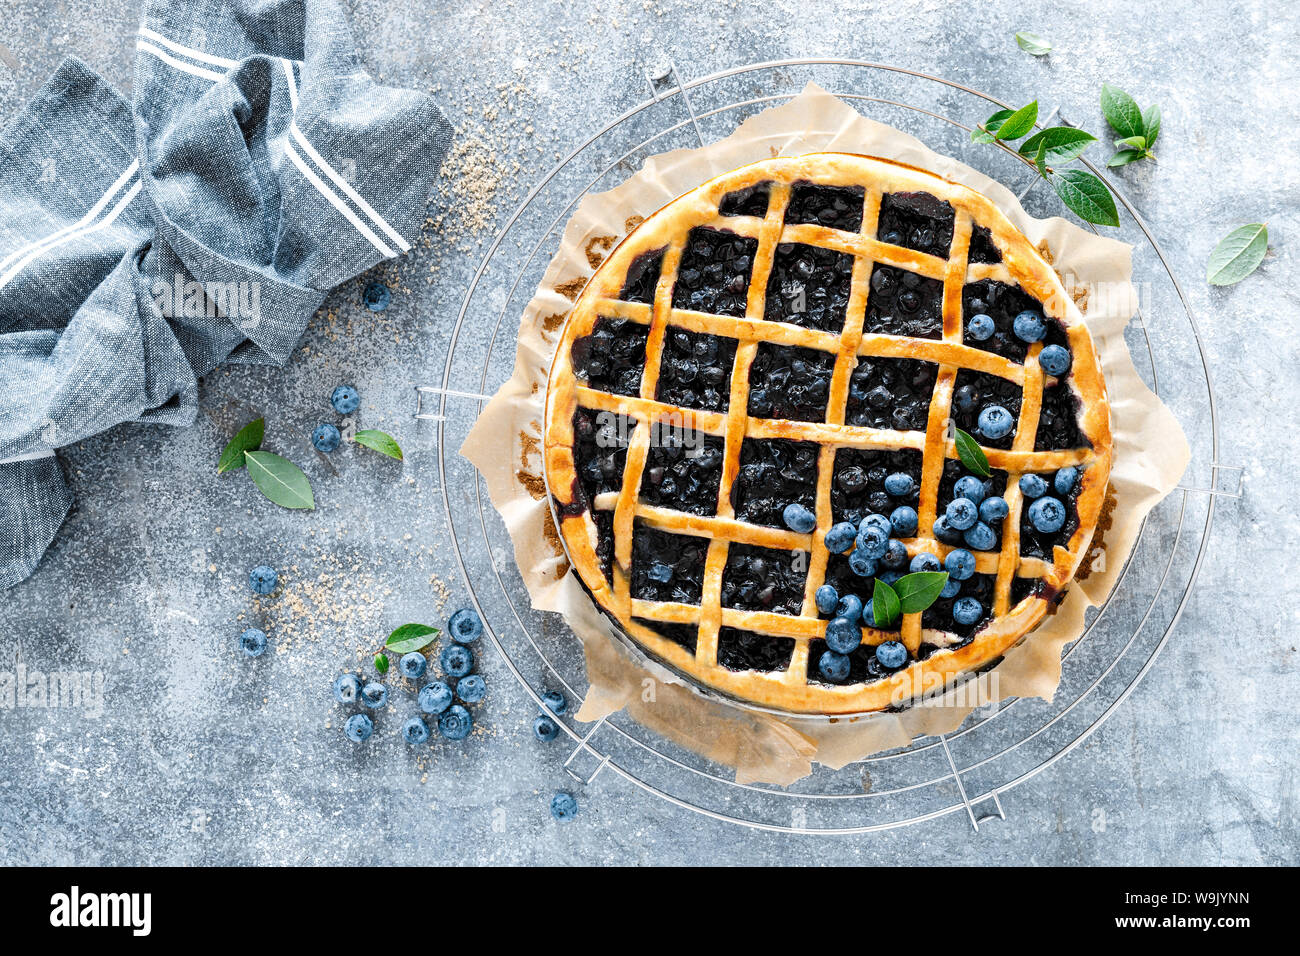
336 202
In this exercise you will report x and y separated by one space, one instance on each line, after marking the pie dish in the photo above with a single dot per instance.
793 349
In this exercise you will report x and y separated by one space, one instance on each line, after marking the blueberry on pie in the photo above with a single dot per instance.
751 419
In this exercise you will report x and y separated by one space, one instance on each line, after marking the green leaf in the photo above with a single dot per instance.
1032 43
380 442
972 455
280 480
1061 144
1018 123
1087 196
1238 254
1040 159
1132 142
1124 157
1121 111
248 438
1151 124
411 637
885 606
984 132
920 589
381 663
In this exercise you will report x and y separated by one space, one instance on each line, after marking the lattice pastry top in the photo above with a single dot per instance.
777 356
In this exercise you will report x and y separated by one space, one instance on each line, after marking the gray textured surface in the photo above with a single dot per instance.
200 757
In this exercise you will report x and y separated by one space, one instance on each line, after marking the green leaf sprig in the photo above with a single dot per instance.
410 637
279 479
910 594
1045 152
1238 254
972 455
1033 43
379 441
1137 128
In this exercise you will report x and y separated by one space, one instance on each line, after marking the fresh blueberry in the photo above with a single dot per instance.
840 538
960 564
456 660
798 518
1029 326
903 521
945 532
262 579
376 297
826 597
455 723
555 702
434 698
843 635
1055 360
374 695
326 437
252 642
961 513
875 521
415 731
890 577
471 689
347 688
966 611
1032 486
980 327
850 607
993 510
1047 515
896 555
545 729
996 422
899 484
412 665
981 537
873 541
358 728
924 562
869 614
951 588
465 626
563 806
834 667
968 486
345 399
660 573
862 565
891 654
1065 480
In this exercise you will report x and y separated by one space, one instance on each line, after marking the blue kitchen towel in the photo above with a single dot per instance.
143 243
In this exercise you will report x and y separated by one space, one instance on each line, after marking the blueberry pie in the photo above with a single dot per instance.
752 418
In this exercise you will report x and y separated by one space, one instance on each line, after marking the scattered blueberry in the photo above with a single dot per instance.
471 689
660 573
869 614
1065 480
924 561
875 521
903 520
455 723
465 626
951 588
798 518
850 606
545 729
376 297
993 510
961 513
966 611
456 660
896 555
1029 326
945 532
1032 486
840 537
262 579
358 728
347 688
968 486
555 702
980 327
960 564
842 635
862 565
1047 515
326 437
899 484
981 537
890 577
415 731
345 399
374 695
826 597
891 654
434 698
873 541
412 665
1055 360
563 806
834 667
252 642
996 422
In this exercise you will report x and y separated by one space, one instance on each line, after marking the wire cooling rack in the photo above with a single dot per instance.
997 747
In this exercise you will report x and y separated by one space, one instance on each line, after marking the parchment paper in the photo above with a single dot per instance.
1150 457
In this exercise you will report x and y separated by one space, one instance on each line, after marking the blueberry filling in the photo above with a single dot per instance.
774 473
954 471
750 201
695 370
683 635
600 450
916 221
763 579
1039 544
682 478
747 651
612 357
938 616
891 393
605 543
642 277
667 567
904 303
788 382
975 391
1058 421
809 286
863 666
714 272
858 482
1002 303
1022 588
982 249
837 207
